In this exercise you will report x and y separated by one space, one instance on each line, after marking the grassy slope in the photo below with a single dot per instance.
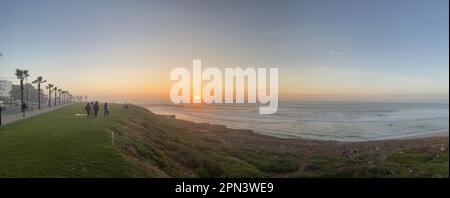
185 150
60 144
411 163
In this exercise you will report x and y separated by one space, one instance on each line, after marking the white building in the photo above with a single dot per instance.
5 88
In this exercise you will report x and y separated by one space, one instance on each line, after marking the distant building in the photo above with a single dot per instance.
32 93
5 88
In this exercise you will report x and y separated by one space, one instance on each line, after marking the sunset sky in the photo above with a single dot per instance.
365 50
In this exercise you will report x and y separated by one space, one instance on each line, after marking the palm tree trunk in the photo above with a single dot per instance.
49 97
21 96
39 95
27 96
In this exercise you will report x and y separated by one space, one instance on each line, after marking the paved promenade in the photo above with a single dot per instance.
8 119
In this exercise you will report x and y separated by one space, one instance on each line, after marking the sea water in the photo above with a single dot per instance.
343 121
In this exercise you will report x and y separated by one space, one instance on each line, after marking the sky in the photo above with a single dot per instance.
353 50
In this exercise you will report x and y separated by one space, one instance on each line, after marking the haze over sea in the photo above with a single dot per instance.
344 121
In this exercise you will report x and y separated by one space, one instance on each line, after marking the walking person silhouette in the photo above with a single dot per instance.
87 108
96 108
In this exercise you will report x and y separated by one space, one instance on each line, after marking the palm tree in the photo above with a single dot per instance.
39 81
55 90
60 90
49 87
20 74
26 75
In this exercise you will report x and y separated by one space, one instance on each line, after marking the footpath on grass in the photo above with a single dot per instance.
8 119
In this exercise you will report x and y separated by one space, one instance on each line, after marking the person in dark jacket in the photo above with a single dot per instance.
96 108
87 108
24 107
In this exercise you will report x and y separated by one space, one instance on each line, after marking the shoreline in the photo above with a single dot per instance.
182 148
429 134
444 133
324 158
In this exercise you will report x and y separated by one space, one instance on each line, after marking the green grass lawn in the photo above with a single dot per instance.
61 144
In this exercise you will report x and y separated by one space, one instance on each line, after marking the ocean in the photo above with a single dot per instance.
341 121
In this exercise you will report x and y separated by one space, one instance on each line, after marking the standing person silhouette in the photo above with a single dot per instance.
24 107
105 109
96 108
87 108
1 109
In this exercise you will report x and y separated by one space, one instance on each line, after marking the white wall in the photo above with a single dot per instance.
5 87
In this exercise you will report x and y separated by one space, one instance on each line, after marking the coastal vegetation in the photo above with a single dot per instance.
134 142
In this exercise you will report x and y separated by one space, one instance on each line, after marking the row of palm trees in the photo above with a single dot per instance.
64 95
